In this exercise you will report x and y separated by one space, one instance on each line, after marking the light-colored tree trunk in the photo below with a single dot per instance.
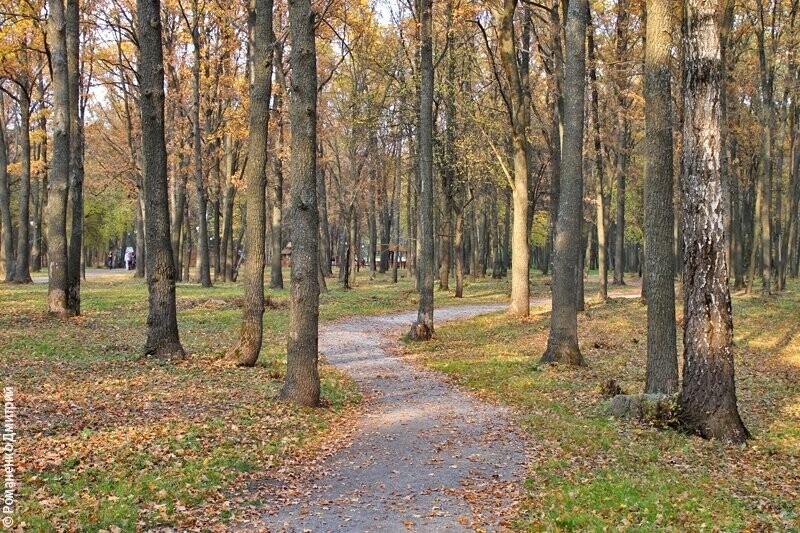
6 236
59 169
246 352
422 329
708 395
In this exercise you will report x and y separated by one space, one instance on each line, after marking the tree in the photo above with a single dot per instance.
708 395
518 109
58 178
562 344
6 246
75 251
302 384
162 323
422 329
662 362
250 337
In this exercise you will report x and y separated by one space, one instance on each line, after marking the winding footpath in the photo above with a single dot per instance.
424 456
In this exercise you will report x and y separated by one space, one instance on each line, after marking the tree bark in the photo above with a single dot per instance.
22 269
75 252
599 174
562 344
324 227
708 396
7 250
422 329
519 116
162 325
302 384
276 205
622 142
59 170
662 360
251 334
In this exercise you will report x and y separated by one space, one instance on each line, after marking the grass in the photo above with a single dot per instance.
591 472
108 439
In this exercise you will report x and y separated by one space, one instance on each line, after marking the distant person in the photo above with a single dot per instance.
133 260
127 260
110 259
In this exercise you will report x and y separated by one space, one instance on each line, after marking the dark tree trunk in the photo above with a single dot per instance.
662 359
422 329
59 170
76 158
622 142
562 344
708 397
22 271
162 324
7 244
276 205
251 334
302 384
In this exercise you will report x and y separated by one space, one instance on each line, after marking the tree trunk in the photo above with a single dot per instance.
76 158
708 397
302 378
422 329
662 359
324 228
601 209
59 172
276 235
7 244
227 258
622 142
162 324
141 252
519 110
562 344
22 273
251 334
203 259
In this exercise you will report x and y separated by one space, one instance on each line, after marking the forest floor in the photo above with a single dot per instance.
588 471
109 439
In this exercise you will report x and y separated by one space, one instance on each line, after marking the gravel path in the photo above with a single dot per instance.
425 455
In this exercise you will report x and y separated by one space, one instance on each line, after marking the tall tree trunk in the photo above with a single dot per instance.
227 258
556 126
519 111
251 334
59 171
372 229
599 172
324 227
22 272
276 204
662 359
302 384
422 329
396 210
203 259
708 397
562 344
622 141
76 157
162 323
7 244
767 117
